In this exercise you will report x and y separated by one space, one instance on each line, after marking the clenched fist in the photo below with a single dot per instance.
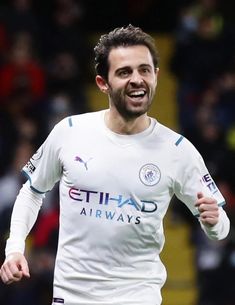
208 210
14 268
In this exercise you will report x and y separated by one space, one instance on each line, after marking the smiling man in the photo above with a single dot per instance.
118 170
131 83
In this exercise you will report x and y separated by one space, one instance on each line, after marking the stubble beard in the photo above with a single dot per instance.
118 99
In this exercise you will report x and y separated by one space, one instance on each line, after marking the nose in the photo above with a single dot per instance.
136 78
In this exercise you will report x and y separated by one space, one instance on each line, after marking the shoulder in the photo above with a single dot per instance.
74 121
175 141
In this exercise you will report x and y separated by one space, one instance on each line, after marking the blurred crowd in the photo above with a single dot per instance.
43 69
203 63
45 64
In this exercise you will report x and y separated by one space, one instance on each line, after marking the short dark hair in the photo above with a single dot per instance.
123 36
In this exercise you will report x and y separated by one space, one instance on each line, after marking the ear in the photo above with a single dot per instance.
157 75
157 72
102 84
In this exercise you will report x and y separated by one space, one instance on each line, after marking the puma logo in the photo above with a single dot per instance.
77 158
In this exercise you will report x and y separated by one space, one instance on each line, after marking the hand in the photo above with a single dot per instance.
208 210
14 268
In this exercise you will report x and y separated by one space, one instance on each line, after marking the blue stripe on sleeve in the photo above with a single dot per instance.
219 204
179 140
70 122
222 203
35 190
30 181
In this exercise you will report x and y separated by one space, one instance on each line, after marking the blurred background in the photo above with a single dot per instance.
47 73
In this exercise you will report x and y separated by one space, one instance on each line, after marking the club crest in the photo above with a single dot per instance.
149 174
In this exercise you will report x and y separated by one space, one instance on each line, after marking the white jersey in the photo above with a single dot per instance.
114 192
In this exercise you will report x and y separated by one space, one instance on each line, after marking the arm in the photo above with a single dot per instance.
43 171
213 219
24 215
196 188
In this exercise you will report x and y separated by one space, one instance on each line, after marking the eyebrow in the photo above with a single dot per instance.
129 67
123 68
145 65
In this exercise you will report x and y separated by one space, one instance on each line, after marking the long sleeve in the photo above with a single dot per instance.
24 215
221 229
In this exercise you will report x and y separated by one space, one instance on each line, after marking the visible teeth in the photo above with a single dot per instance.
137 93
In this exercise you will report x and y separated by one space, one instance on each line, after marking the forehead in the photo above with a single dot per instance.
130 56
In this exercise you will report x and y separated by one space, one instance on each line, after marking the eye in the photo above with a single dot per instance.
145 70
123 73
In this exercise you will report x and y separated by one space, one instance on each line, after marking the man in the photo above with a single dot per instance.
118 170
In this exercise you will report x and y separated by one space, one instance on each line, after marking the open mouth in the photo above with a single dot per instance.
137 94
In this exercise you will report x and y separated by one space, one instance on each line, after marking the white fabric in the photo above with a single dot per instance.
114 192
221 229
24 215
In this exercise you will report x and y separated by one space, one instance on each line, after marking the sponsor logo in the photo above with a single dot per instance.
107 199
110 215
104 205
29 167
79 159
149 174
210 184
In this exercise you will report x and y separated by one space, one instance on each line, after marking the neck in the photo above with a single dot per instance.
118 124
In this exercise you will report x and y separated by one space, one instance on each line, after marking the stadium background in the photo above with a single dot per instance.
46 73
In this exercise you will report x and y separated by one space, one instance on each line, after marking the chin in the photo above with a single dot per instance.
133 114
139 110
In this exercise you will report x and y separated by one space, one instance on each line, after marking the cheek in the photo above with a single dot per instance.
153 85
117 88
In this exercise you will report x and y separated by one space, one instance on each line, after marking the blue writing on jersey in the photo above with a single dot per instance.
106 198
210 184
